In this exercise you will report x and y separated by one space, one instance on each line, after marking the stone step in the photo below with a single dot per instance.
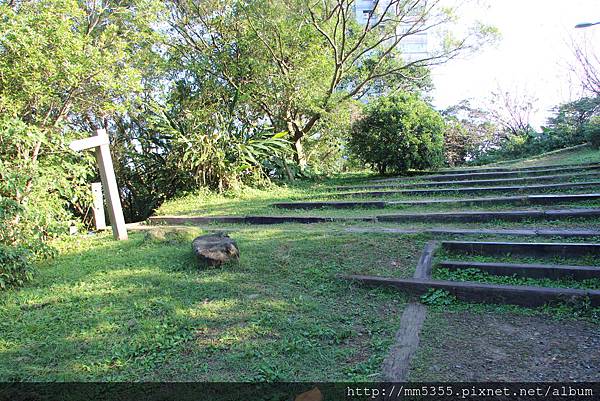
474 190
259 220
537 249
331 204
496 169
564 178
487 216
526 270
463 217
550 233
480 292
501 169
522 200
499 174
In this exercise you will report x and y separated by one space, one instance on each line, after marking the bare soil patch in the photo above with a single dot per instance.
467 346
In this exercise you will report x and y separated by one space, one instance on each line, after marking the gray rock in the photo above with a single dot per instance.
215 249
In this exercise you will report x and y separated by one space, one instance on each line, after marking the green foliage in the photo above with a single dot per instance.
398 133
573 123
21 241
327 146
591 131
469 133
212 147
64 65
15 266
296 62
438 297
458 143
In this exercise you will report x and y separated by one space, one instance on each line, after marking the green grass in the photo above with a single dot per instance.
575 156
141 310
259 201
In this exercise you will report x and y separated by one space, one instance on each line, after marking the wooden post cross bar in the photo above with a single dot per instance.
107 174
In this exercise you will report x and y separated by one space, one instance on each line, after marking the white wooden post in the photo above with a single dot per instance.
98 206
109 182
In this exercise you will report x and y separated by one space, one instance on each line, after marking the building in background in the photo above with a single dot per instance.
413 46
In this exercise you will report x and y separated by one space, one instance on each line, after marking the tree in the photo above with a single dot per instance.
296 61
458 144
61 62
591 130
398 133
512 111
566 126
587 67
479 136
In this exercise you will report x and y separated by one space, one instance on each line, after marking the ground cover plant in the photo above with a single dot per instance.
151 315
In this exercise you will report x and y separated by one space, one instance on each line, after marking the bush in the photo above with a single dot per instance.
22 240
15 266
398 133
592 131
459 145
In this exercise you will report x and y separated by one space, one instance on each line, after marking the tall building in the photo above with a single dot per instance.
413 46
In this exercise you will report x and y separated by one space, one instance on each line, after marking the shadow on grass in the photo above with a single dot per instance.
141 310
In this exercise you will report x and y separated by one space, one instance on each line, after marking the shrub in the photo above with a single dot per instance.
592 131
22 236
459 145
398 133
15 266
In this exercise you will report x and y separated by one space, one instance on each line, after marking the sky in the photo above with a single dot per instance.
532 56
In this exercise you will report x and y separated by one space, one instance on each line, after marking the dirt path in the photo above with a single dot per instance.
465 346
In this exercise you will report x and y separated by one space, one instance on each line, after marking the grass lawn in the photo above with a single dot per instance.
141 310
578 155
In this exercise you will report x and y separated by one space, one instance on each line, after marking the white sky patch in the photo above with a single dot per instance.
533 55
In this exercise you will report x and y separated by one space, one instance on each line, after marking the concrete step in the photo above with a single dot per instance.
475 190
526 270
500 174
332 204
501 169
489 293
258 220
519 200
537 249
540 232
487 216
463 217
564 178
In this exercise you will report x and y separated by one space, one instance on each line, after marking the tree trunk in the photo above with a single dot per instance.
300 156
297 135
